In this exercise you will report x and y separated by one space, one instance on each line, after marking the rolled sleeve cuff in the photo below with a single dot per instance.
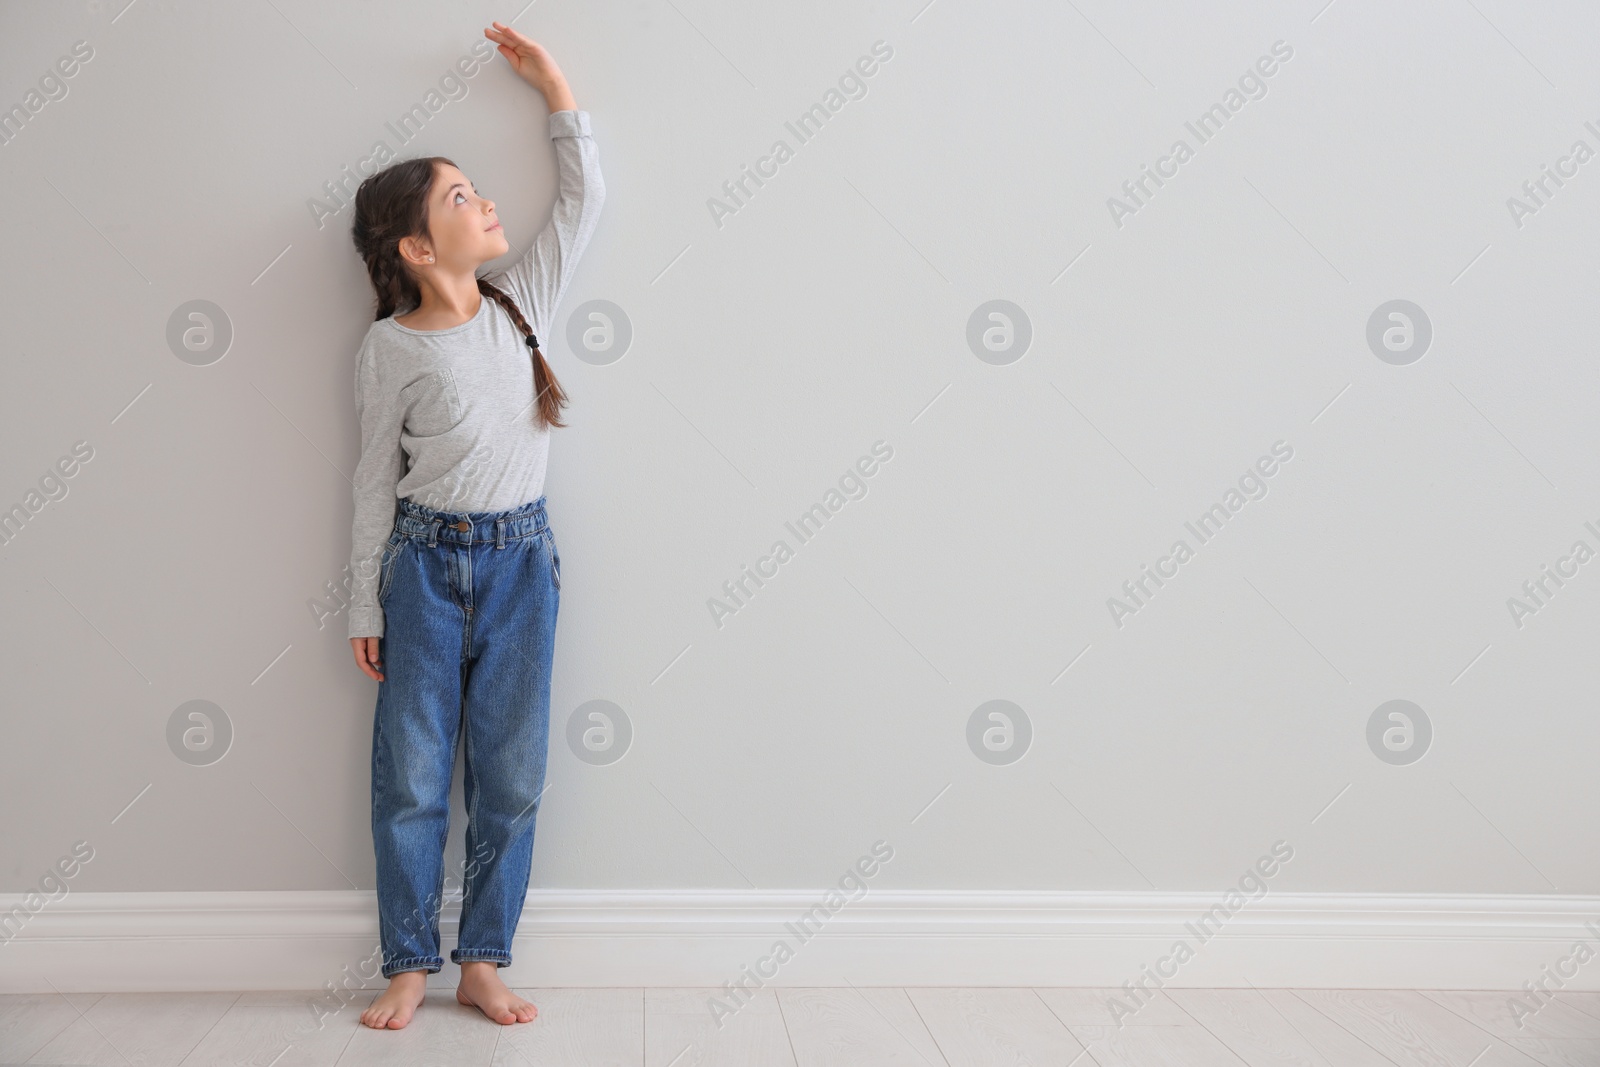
569 124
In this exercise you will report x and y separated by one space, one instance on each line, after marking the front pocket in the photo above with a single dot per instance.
555 557
432 404
391 556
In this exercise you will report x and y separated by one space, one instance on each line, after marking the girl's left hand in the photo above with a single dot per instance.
526 56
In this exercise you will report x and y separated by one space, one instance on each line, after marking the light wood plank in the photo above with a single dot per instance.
279 1027
900 1012
148 1029
1497 1012
681 1029
1556 1053
1085 1006
1412 1030
443 1030
29 1020
989 1027
601 1026
1155 1046
841 1027
1263 1035
1584 1001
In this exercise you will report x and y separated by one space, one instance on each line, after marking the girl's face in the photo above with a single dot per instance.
462 226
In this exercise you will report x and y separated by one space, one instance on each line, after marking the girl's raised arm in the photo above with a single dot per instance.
539 278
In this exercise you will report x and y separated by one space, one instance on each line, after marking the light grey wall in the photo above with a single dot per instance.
1168 351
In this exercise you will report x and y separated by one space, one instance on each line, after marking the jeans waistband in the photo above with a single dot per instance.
467 527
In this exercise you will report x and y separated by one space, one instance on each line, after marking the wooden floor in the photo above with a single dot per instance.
848 1027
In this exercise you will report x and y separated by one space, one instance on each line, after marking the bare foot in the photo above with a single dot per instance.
395 1005
481 988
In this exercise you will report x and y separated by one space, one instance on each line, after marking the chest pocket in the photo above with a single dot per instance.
432 404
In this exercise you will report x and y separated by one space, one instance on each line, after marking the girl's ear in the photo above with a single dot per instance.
415 252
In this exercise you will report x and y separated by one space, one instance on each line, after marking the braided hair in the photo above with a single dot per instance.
393 203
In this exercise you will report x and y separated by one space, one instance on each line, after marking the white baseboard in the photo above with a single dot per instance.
118 942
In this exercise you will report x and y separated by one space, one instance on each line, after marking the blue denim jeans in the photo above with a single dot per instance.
469 602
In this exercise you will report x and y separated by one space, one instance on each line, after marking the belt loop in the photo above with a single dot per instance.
499 533
433 534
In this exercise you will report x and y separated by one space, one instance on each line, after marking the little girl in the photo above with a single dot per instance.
456 621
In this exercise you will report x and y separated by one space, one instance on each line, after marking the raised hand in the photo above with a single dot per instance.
533 64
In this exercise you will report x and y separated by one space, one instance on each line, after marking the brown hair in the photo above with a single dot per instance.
393 203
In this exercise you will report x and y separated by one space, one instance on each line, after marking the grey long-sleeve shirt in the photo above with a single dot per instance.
447 416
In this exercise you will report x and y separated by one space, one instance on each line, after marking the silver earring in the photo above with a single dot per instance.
430 259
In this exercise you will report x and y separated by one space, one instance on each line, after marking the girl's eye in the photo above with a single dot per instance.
462 195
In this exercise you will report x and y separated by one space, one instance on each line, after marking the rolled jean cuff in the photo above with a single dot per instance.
431 964
500 957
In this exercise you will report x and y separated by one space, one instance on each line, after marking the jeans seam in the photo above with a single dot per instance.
472 817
